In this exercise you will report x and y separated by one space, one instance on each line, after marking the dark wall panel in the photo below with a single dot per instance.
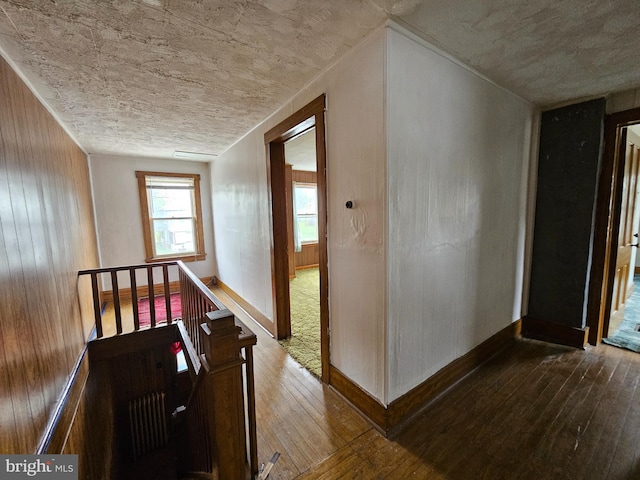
569 159
46 236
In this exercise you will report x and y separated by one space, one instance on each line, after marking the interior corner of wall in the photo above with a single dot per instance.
93 207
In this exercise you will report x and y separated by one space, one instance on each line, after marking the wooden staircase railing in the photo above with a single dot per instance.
134 292
218 350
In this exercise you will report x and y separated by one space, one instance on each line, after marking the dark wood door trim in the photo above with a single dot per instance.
279 242
321 167
308 116
606 226
297 123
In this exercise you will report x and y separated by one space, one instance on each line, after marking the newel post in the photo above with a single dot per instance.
225 394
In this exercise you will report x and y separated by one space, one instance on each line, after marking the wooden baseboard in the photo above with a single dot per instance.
412 402
391 419
636 270
363 401
247 307
143 290
305 267
554 332
55 437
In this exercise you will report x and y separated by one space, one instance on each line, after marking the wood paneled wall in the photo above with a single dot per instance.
46 235
92 435
310 255
304 177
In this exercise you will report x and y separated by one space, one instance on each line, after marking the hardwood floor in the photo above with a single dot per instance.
297 415
536 411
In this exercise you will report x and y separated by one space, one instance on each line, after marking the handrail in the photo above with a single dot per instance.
196 300
193 362
194 449
118 293
209 335
122 268
204 290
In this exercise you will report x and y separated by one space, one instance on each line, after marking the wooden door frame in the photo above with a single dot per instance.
307 117
608 209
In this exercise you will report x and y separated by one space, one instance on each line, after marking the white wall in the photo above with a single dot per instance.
458 153
355 130
118 217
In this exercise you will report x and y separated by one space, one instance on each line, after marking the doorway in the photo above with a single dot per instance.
616 226
304 276
308 120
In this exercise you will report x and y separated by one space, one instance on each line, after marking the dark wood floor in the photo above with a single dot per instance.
537 411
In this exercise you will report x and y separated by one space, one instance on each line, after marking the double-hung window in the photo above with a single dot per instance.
306 213
171 216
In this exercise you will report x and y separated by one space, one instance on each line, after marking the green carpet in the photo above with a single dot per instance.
304 343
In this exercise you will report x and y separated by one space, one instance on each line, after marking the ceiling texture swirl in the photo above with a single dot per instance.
150 77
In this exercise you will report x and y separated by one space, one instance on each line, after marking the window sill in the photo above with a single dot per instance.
186 258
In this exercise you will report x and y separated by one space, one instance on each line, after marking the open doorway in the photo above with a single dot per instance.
306 126
619 198
304 274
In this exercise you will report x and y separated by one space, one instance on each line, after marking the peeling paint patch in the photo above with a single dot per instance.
359 227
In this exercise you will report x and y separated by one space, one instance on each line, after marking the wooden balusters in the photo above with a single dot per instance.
196 300
118 295
152 296
167 293
213 340
134 299
97 309
116 301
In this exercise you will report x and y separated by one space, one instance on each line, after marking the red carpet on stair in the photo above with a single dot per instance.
144 313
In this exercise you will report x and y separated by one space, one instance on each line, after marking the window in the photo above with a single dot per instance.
171 216
306 212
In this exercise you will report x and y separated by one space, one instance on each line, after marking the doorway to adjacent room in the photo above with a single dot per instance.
306 125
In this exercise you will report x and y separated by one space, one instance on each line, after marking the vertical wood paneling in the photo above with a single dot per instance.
301 176
46 236
99 456
309 255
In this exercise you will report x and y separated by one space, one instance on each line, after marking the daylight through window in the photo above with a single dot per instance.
171 212
306 212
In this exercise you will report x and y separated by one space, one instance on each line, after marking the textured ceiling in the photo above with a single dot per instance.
149 77
154 76
547 51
